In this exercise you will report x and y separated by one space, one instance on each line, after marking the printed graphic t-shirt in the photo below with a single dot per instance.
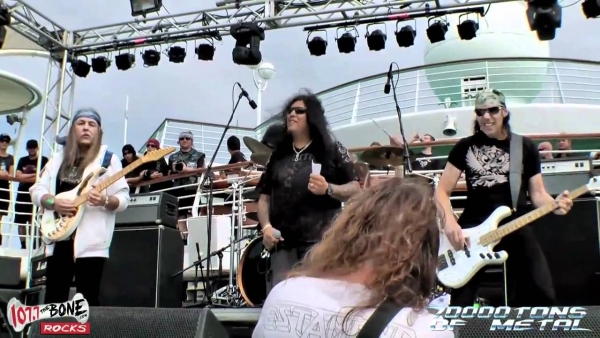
314 307
425 162
5 164
485 162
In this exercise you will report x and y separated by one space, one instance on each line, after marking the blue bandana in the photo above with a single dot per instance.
87 113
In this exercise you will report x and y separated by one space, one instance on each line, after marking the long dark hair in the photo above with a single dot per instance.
317 125
505 123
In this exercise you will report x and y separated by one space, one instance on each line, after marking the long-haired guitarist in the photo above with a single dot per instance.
84 254
297 203
484 157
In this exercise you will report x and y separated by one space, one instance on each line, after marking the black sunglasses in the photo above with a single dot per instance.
298 110
184 139
491 110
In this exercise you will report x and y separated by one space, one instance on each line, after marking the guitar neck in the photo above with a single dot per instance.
510 227
110 181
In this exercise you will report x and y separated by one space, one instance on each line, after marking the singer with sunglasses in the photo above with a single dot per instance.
185 160
307 178
485 157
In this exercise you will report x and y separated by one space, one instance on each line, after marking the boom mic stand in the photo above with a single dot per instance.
208 174
406 160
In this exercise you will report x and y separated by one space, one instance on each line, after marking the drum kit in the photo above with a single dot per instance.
247 284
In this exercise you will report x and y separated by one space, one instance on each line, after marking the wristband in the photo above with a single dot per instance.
106 202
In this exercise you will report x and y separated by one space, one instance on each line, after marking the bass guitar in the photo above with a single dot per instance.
55 227
457 267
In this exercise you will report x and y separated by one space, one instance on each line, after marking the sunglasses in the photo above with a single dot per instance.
491 110
298 110
184 139
4 141
150 146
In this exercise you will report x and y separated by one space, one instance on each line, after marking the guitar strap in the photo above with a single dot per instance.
515 167
379 320
107 158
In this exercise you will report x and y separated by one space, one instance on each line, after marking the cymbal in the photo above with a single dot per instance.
261 158
383 156
260 152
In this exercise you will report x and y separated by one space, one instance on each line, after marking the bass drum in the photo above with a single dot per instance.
252 274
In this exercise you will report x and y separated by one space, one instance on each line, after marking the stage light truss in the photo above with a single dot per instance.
270 14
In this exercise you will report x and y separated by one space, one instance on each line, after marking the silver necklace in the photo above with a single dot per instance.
298 152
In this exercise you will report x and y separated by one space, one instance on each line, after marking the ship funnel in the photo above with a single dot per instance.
450 126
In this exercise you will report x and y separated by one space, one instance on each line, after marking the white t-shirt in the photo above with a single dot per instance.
305 307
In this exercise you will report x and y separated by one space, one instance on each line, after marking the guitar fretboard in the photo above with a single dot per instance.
522 221
79 200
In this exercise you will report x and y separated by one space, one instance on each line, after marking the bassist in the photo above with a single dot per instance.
485 158
84 254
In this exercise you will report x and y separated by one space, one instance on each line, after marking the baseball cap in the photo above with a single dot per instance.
153 142
489 98
5 137
32 144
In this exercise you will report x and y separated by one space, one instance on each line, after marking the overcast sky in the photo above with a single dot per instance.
201 91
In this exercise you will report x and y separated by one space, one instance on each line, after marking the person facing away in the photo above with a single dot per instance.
7 162
484 157
84 254
27 171
295 202
186 160
234 148
383 247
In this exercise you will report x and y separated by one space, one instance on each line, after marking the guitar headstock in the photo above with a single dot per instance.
594 184
156 155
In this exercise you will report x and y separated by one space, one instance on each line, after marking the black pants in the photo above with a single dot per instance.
24 214
61 269
528 278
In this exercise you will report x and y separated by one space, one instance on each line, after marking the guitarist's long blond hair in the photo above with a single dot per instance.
72 152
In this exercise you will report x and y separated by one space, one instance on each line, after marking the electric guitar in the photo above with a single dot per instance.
55 227
457 267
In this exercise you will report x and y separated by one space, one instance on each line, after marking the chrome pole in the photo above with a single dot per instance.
232 236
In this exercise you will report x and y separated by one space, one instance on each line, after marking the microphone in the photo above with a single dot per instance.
198 250
265 253
387 87
253 104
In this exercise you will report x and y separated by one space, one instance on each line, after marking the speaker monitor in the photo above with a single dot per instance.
140 268
146 323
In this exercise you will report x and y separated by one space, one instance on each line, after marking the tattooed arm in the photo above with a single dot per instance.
343 192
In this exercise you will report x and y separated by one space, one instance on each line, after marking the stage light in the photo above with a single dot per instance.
143 7
80 68
100 64
317 46
544 17
205 51
2 35
347 42
591 8
248 36
467 29
177 54
151 58
5 17
125 61
405 37
376 39
436 32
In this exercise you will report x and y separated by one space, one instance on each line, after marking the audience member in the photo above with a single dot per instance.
234 147
7 162
155 169
133 177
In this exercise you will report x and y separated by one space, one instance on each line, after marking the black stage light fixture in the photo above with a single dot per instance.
405 37
436 31
125 61
347 42
317 46
3 32
544 17
100 64
80 68
467 29
248 36
143 7
151 58
376 39
177 54
206 51
591 8
5 17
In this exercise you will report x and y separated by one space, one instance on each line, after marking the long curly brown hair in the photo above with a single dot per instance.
391 230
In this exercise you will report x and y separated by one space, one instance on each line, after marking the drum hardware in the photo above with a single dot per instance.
384 156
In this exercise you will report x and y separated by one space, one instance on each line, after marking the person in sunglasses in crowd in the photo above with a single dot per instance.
485 159
186 160
307 178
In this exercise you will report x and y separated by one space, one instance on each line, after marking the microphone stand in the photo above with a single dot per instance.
208 173
406 160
